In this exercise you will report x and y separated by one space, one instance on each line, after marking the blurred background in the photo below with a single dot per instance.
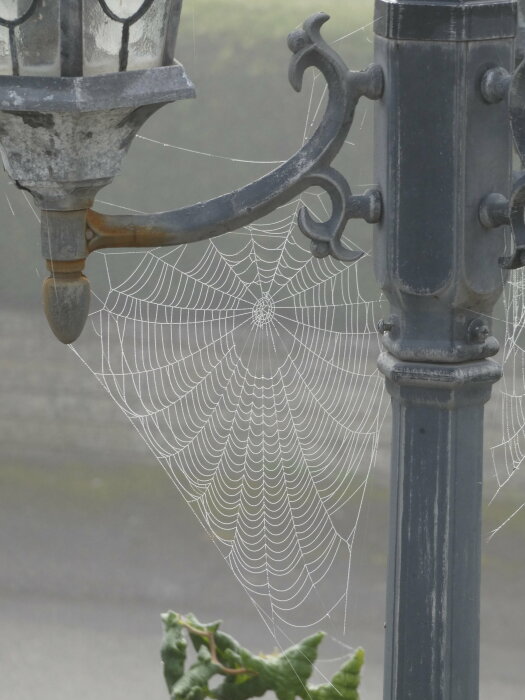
94 540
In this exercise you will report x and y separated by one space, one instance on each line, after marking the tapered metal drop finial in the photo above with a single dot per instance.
66 295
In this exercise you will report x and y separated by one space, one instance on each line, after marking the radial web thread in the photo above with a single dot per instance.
248 367
249 375
508 456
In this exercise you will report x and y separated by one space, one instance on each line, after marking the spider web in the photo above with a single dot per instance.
248 368
264 414
509 454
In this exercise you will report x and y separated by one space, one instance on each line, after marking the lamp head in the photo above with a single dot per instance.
78 78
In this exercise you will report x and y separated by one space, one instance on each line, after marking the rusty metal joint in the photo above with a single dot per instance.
65 267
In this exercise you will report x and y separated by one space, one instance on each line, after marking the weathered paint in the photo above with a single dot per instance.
62 140
442 146
66 296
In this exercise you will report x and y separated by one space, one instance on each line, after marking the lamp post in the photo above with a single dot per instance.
79 79
443 144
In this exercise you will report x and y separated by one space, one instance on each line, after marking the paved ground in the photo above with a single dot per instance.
95 543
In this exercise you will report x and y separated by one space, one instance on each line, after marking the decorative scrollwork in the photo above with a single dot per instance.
310 49
308 167
326 235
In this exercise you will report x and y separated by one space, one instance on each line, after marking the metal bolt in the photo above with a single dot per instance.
385 326
478 331
483 333
320 249
495 85
494 211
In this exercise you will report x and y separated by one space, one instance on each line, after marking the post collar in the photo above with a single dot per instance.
446 20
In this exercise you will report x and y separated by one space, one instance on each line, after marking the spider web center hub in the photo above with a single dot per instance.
263 311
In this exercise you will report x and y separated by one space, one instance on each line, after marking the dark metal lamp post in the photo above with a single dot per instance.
80 80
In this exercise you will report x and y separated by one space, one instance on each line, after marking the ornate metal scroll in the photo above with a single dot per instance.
307 168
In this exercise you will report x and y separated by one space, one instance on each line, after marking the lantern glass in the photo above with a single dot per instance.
31 44
86 37
104 37
13 9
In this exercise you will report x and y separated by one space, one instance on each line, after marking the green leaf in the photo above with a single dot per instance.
193 685
223 642
286 674
345 683
173 652
252 676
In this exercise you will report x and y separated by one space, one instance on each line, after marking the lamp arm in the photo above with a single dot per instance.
309 167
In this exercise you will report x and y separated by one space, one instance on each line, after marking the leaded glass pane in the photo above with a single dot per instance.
117 35
33 48
104 36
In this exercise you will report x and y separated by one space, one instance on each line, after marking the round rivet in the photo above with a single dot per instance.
385 326
494 211
495 85
478 331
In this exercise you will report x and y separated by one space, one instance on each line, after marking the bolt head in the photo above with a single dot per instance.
495 85
320 249
385 326
478 331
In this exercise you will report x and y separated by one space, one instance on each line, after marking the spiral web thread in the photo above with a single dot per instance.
509 455
248 367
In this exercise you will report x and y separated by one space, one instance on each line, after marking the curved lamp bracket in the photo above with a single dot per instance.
309 167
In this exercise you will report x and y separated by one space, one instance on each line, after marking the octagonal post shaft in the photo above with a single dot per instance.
440 149
433 600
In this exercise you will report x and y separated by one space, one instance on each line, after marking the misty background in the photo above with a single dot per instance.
94 540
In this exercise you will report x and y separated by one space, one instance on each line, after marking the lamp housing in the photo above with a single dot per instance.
77 81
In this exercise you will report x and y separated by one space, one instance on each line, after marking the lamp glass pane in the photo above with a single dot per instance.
102 40
147 38
103 36
13 9
124 8
112 34
5 53
36 39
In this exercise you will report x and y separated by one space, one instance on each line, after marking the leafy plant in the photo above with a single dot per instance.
246 675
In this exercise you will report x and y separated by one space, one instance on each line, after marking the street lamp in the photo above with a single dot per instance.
79 80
